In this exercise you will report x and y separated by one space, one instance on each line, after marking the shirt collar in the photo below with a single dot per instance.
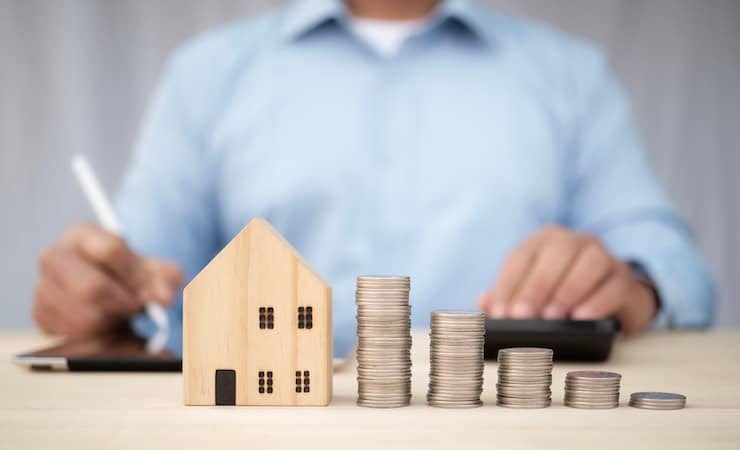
304 16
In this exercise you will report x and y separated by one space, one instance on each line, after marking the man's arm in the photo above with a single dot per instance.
614 195
616 218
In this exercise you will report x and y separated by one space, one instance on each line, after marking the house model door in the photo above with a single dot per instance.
226 387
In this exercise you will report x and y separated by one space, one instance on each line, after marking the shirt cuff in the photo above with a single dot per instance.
644 275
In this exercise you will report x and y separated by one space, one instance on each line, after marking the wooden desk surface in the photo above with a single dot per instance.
99 411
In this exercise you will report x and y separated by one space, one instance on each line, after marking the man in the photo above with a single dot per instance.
412 137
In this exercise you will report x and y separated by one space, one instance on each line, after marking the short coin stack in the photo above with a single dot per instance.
657 400
524 377
384 341
456 359
592 389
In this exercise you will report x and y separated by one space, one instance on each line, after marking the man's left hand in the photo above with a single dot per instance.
559 274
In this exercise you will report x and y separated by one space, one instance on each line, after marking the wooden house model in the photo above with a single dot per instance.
257 326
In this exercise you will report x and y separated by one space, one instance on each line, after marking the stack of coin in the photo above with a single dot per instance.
657 400
592 389
456 359
384 341
524 377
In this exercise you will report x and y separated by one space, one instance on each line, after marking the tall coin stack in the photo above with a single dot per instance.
592 389
456 359
524 377
384 341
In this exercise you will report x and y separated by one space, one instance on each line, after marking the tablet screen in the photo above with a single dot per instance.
116 352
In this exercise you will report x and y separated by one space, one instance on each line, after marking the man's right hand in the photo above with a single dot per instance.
90 282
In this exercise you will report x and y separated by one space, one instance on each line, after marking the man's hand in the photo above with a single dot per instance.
558 273
90 282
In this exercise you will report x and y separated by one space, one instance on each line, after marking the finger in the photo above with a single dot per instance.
550 265
62 315
86 283
106 250
482 301
605 301
163 281
44 315
591 268
514 270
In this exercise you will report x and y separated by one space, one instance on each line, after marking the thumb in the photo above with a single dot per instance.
162 281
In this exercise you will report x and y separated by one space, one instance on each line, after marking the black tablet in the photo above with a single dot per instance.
124 352
570 340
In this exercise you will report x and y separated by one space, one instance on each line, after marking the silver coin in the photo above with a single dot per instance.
590 385
538 405
383 278
394 399
456 383
455 394
658 396
450 373
544 390
397 400
384 342
438 404
591 405
593 374
383 331
389 374
457 316
524 379
386 378
383 361
525 371
590 396
383 394
659 403
371 404
457 327
455 339
522 351
586 398
657 407
580 385
594 391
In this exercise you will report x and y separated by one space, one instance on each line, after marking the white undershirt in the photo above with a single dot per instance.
386 36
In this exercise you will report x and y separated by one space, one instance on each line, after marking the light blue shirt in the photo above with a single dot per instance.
433 163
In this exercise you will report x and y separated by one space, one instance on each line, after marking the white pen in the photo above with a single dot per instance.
107 218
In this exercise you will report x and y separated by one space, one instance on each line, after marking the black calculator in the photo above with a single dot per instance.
570 340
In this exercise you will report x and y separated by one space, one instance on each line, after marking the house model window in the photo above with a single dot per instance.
257 326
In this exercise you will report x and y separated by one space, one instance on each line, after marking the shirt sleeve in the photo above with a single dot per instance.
613 194
167 203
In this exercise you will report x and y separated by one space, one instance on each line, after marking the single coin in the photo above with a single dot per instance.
657 407
519 351
657 396
538 405
592 374
591 406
